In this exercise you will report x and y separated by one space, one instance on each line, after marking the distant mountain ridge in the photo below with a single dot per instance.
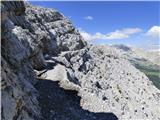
152 56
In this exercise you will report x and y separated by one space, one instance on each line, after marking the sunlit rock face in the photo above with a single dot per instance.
109 83
44 57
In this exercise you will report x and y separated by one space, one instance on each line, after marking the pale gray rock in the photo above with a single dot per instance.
19 97
145 61
59 29
109 83
18 93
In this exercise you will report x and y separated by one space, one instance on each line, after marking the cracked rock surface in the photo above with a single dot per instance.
50 72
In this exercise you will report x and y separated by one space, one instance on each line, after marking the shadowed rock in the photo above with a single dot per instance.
59 104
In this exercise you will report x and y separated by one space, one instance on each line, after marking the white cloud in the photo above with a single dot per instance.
88 18
118 34
131 30
154 31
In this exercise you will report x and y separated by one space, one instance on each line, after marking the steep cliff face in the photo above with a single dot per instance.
44 56
18 93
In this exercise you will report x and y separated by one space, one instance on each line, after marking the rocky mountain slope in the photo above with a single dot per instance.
145 61
49 72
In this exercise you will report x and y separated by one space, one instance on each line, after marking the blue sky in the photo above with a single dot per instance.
131 23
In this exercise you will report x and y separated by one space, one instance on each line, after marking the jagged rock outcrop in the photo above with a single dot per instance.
18 93
41 47
109 83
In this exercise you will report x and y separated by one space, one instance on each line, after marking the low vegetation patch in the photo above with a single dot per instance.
152 72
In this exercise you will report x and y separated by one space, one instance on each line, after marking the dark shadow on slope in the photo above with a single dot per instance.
59 104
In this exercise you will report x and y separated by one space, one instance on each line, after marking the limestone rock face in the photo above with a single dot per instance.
109 83
40 48
18 93
25 41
